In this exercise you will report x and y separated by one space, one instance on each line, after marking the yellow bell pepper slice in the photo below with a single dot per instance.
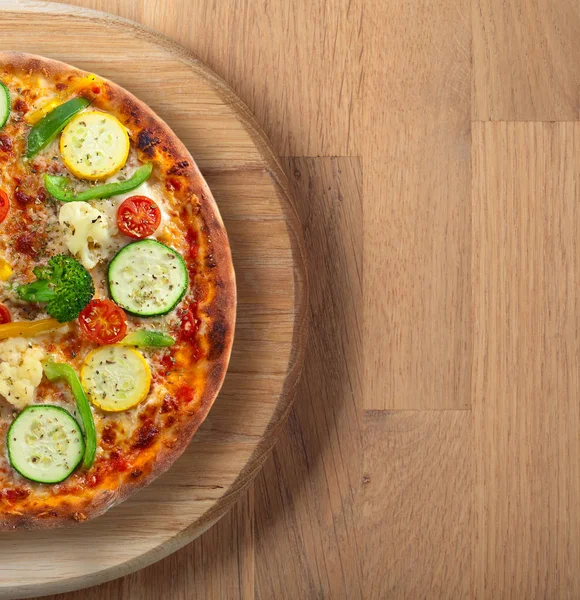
28 328
33 117
5 270
50 104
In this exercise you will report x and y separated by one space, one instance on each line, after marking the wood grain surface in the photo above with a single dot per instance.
527 359
417 179
526 60
411 459
434 449
265 234
305 495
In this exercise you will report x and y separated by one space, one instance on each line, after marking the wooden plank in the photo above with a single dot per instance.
203 112
305 77
527 359
210 475
417 61
416 504
305 510
417 230
526 60
217 565
306 527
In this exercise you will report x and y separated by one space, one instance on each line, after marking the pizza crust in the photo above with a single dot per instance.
155 141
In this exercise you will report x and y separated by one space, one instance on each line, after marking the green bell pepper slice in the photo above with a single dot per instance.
43 132
143 338
61 188
54 370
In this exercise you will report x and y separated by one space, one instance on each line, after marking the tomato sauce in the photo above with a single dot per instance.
146 434
117 462
190 322
14 494
169 405
109 435
6 144
173 184
192 244
20 106
185 394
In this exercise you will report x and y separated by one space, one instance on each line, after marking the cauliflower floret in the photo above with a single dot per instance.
20 371
86 232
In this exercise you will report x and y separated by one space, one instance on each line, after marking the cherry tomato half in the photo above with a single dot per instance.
138 216
4 314
103 322
4 205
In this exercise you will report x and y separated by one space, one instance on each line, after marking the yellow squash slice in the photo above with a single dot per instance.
116 377
94 145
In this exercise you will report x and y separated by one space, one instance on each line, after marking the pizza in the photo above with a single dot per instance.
117 294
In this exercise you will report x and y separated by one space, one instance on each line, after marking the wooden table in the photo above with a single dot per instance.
443 139
297 66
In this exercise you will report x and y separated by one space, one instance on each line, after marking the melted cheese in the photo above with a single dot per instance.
86 232
21 358
154 192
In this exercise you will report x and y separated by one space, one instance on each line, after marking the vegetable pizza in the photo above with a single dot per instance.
117 294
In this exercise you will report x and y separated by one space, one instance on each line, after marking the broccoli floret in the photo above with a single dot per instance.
64 284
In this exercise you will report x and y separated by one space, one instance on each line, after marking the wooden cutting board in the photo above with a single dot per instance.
253 196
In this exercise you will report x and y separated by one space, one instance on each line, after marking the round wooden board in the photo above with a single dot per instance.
254 199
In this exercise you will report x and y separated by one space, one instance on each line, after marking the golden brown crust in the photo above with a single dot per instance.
154 141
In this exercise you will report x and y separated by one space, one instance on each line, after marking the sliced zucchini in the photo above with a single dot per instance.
45 443
94 145
116 377
4 104
147 278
